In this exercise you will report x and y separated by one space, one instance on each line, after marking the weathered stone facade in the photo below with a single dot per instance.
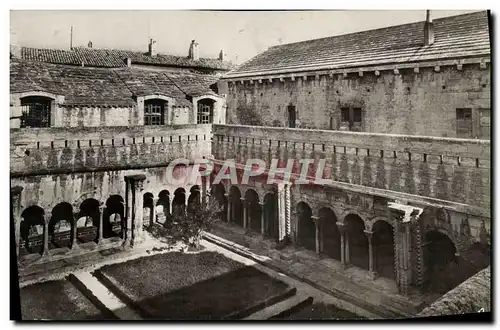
422 103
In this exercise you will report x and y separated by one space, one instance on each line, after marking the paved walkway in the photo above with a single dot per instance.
303 289
353 284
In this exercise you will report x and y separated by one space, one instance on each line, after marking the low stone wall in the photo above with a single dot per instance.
472 296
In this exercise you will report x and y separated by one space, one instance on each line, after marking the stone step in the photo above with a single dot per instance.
108 299
284 307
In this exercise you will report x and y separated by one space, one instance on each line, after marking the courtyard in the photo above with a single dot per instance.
162 283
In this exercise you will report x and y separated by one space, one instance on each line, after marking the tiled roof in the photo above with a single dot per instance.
105 86
455 37
114 58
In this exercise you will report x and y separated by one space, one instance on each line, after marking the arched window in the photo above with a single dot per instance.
154 112
35 111
205 111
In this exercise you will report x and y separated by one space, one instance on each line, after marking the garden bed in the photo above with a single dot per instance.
179 286
58 300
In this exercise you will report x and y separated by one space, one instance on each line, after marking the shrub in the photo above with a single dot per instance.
188 226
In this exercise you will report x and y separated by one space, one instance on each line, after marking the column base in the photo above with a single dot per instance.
373 275
75 246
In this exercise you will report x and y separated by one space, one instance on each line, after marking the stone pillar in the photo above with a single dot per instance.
288 212
101 224
207 190
245 220
127 231
262 219
371 263
170 203
402 216
315 219
186 199
74 228
15 194
282 212
152 221
228 208
138 210
342 230
346 249
46 234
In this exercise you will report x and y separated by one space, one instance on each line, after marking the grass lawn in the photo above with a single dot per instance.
181 286
57 300
322 312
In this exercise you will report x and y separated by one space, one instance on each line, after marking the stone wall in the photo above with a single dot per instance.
401 102
56 150
472 296
443 169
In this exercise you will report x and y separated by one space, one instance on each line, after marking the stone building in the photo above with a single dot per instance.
425 78
412 207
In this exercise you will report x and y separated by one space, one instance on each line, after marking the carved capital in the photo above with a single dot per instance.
342 227
315 219
47 217
368 234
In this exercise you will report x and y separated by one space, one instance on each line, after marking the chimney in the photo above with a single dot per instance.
222 55
152 48
428 29
193 51
89 44
15 48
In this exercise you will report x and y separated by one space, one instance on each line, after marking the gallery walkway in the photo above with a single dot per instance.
352 285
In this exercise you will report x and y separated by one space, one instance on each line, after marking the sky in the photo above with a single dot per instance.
241 34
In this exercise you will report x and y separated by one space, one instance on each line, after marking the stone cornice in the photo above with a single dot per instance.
317 72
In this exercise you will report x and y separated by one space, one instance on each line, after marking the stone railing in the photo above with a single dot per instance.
66 150
448 169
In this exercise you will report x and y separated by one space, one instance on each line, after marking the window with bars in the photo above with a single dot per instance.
35 111
464 123
154 112
205 112
351 118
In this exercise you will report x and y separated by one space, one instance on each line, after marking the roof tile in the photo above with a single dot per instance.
455 37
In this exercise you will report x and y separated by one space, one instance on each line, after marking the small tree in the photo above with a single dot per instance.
191 224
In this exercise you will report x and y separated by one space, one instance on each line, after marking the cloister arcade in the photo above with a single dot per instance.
347 236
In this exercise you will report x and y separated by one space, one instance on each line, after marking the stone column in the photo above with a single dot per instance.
101 224
46 219
186 199
228 208
262 219
128 212
206 190
152 221
288 212
402 216
138 212
342 230
245 220
371 264
15 194
282 213
74 228
315 219
347 252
